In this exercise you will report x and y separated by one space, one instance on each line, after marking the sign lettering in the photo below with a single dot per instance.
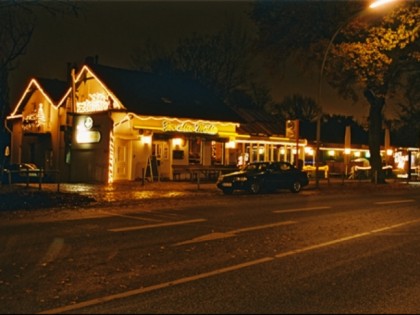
196 127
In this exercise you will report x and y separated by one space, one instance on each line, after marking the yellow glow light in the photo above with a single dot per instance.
309 150
177 141
146 139
34 84
111 158
378 3
88 136
96 102
180 121
115 102
197 127
230 145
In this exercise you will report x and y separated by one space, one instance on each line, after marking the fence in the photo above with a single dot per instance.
28 176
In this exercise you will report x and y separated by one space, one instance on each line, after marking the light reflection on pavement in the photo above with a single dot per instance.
165 190
136 190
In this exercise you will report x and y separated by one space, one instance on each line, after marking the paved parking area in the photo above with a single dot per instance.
134 190
173 189
124 196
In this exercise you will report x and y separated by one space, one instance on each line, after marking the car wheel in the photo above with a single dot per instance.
296 187
256 187
227 191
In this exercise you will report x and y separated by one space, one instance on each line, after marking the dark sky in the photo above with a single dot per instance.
113 29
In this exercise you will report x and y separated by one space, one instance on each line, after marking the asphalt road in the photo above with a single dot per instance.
341 252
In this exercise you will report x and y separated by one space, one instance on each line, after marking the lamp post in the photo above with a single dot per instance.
373 5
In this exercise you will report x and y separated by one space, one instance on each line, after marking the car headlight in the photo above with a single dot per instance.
240 179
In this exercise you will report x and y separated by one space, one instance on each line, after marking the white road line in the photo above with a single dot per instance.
220 235
163 285
394 201
168 284
131 217
344 239
158 225
302 209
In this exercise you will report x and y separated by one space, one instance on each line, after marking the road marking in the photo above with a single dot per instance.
175 282
131 217
220 235
343 239
392 202
302 209
163 285
53 251
151 226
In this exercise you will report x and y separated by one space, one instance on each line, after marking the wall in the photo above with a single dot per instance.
90 161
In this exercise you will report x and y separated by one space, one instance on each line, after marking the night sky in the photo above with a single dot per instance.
113 29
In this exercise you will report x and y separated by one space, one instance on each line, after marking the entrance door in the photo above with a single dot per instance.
121 171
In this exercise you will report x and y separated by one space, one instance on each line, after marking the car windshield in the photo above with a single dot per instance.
256 167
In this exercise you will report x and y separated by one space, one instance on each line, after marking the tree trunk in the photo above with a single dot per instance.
4 111
4 93
375 131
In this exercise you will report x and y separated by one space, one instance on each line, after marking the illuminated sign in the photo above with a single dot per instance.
88 136
97 102
83 132
88 123
197 127
292 129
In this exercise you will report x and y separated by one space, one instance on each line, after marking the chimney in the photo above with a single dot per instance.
91 60
70 66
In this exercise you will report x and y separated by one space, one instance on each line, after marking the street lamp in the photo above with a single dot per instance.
373 5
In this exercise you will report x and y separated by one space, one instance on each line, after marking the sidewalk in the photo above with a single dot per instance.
179 189
157 194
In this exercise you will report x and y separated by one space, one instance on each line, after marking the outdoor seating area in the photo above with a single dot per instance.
198 172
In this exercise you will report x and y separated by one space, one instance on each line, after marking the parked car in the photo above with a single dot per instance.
257 177
21 173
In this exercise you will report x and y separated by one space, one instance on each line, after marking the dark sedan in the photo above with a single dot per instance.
259 177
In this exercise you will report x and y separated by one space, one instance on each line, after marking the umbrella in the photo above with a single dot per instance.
347 138
387 140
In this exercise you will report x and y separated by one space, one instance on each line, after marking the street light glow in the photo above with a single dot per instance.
373 5
378 3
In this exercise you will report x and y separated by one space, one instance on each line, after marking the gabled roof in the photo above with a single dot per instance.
258 122
53 90
163 95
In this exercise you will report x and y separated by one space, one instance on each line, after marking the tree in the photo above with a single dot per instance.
334 126
368 57
407 126
17 24
296 107
154 58
221 61
15 33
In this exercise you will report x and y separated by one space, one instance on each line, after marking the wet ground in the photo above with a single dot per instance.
22 197
76 196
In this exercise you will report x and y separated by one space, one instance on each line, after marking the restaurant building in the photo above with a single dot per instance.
108 124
